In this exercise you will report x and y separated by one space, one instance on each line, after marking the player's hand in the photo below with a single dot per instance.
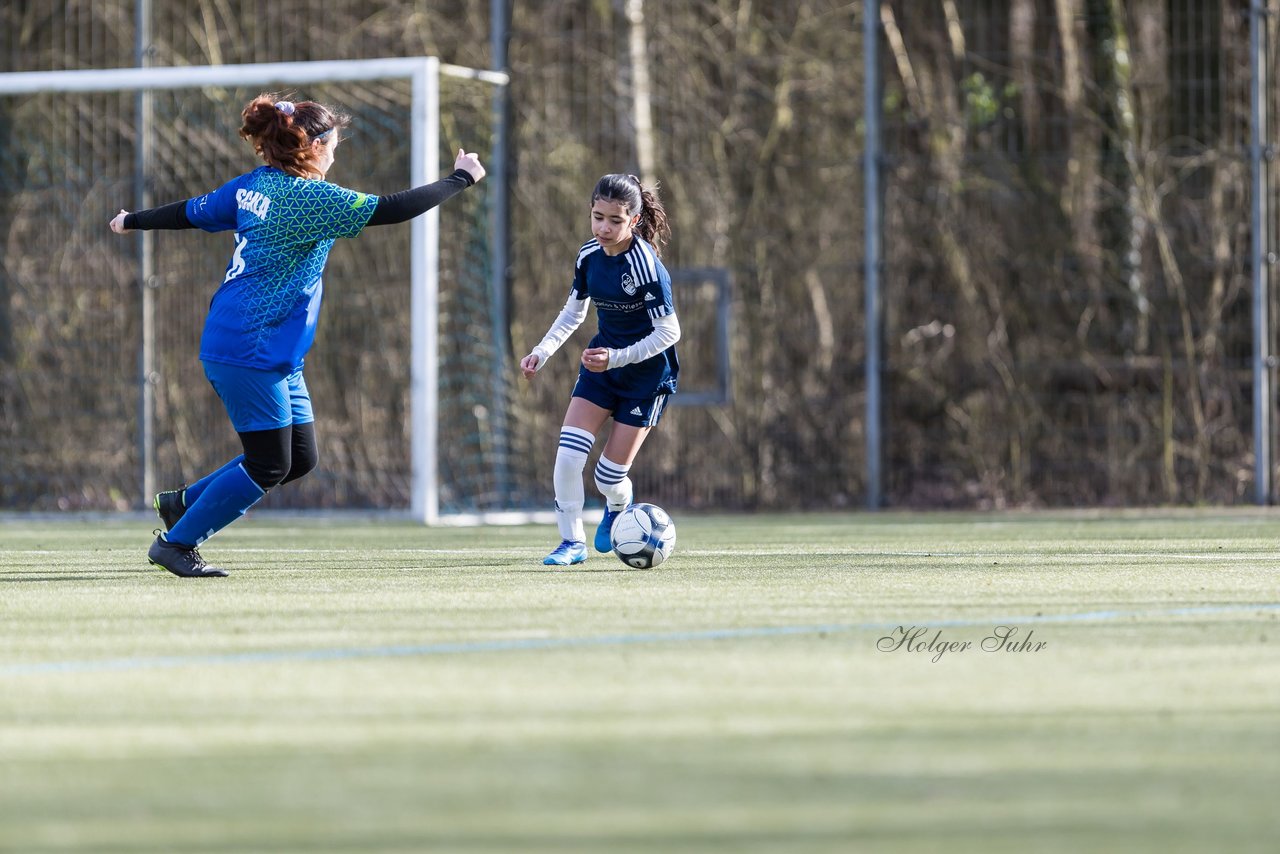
469 162
117 222
529 365
596 359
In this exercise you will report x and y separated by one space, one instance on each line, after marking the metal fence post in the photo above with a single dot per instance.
1262 255
871 240
146 269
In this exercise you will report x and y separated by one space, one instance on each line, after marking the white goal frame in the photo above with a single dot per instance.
424 73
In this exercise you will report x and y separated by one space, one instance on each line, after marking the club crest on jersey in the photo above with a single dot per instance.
628 285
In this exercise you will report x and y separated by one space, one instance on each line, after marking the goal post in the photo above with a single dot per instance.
423 75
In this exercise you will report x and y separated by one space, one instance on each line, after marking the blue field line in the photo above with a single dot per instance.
106 665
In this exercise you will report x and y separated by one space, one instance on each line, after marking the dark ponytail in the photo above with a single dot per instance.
282 131
626 190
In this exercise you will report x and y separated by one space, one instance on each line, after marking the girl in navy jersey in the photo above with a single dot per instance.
629 369
262 320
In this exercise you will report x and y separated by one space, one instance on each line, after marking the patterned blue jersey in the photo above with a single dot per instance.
264 316
629 290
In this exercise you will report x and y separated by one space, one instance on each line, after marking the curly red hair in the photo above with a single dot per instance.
282 131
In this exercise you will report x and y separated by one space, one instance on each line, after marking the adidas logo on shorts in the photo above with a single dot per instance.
636 411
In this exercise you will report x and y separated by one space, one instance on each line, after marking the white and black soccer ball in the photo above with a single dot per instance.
643 536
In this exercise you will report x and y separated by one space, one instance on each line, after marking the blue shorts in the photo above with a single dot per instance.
260 400
636 411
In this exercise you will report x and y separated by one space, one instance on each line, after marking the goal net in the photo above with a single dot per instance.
102 398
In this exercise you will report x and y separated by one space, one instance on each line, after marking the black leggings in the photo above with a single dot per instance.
273 457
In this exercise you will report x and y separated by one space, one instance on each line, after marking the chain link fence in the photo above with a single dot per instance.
1066 277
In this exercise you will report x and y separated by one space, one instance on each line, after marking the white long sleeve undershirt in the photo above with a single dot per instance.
569 319
666 331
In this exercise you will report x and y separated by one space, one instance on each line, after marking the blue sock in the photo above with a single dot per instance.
221 503
193 492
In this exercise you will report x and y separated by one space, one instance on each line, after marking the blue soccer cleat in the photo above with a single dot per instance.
567 553
604 533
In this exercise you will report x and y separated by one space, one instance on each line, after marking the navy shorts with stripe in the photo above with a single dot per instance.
635 411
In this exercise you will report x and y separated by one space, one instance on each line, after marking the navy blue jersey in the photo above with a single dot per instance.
264 316
629 290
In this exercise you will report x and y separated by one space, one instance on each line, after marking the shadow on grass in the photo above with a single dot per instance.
18 576
585 570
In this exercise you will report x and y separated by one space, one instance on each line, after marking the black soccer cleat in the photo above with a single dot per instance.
181 561
170 506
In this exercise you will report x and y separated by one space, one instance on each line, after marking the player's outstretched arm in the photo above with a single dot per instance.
406 204
171 216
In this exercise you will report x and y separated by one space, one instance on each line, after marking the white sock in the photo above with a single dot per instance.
613 483
571 460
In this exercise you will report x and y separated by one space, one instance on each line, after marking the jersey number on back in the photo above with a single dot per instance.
236 267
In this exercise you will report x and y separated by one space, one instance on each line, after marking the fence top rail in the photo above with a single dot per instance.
188 76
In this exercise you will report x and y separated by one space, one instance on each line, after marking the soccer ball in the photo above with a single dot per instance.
643 536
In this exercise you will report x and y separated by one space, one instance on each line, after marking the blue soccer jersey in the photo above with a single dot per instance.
265 313
630 290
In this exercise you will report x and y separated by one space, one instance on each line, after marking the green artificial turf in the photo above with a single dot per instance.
356 686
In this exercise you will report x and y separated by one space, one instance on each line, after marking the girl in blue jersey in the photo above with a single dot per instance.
629 369
262 320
